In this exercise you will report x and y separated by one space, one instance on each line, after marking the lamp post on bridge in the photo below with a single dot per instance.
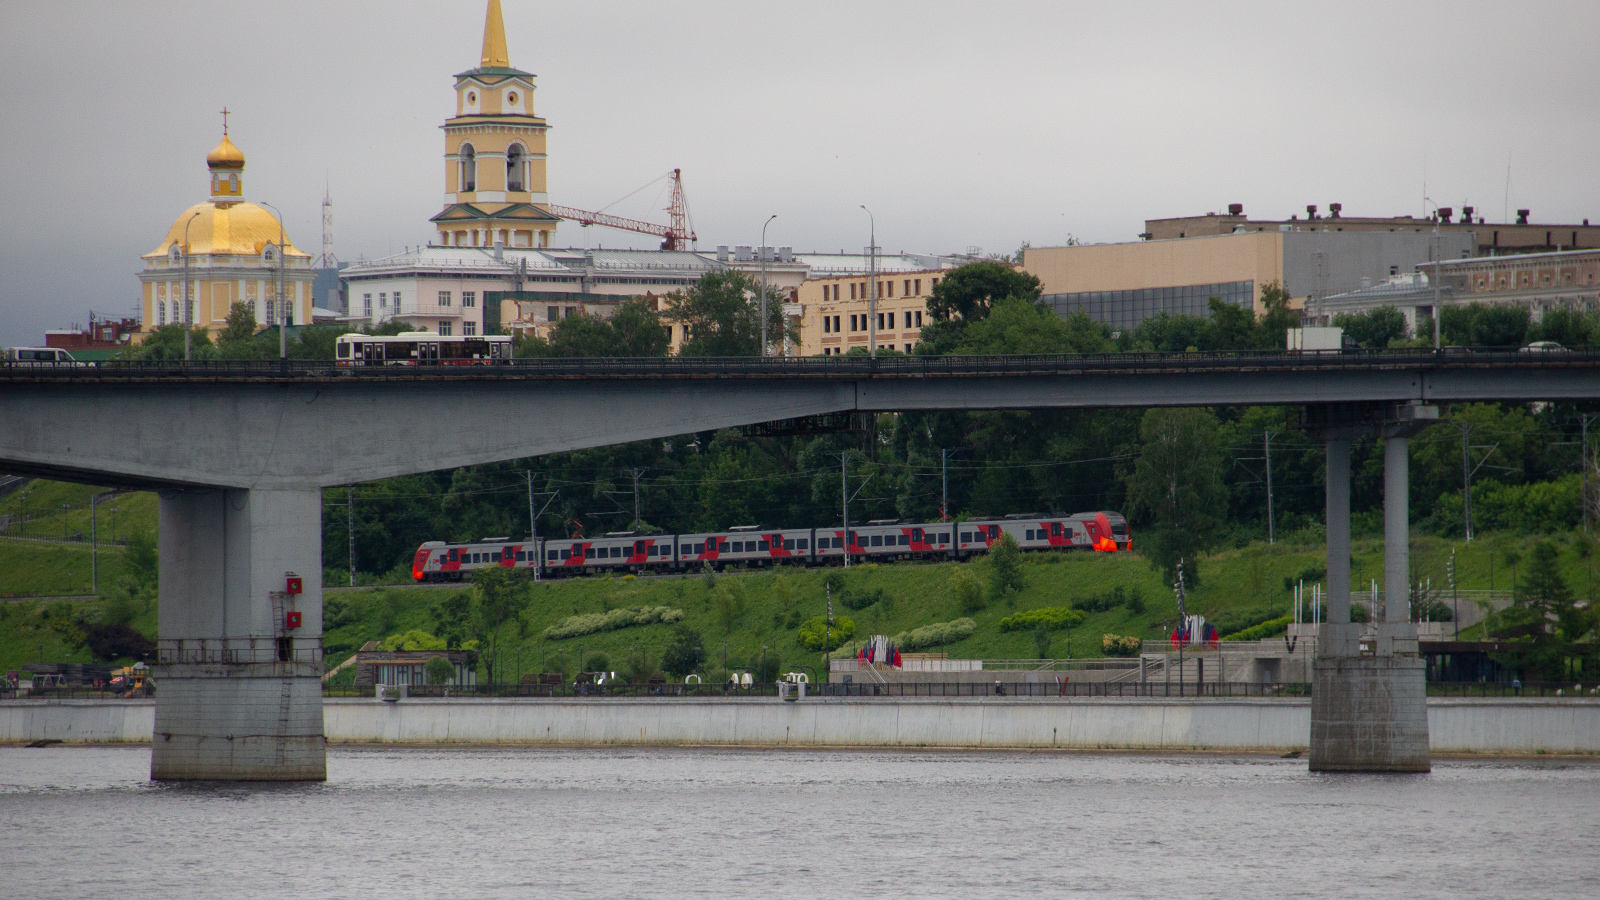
188 317
872 284
282 317
764 283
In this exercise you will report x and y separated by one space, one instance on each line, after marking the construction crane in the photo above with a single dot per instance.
677 236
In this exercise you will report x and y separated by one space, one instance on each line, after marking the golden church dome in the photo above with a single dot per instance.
239 228
225 156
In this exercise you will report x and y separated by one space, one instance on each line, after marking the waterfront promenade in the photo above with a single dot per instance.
1531 726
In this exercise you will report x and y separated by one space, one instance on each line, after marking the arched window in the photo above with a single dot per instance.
468 179
516 165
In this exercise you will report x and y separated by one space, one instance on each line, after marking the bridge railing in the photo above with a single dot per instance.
835 366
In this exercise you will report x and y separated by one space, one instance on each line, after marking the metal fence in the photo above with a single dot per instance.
908 689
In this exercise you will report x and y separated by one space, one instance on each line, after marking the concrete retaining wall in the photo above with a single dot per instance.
1455 726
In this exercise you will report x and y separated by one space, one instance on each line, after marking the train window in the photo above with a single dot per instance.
699 548
763 546
877 540
566 554
650 550
905 540
916 534
522 556
788 543
724 546
994 532
966 537
1028 536
616 552
1055 529
802 543
455 555
686 549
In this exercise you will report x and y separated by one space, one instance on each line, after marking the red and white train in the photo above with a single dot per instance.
751 546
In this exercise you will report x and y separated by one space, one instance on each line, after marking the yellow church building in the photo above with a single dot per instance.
229 249
495 155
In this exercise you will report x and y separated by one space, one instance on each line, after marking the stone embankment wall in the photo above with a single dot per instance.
1455 726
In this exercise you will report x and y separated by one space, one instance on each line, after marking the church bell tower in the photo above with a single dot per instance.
495 155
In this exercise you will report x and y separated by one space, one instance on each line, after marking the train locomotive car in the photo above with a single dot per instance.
752 546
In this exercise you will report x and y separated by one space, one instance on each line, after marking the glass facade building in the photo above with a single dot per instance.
1124 310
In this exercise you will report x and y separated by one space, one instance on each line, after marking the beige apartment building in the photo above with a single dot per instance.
836 311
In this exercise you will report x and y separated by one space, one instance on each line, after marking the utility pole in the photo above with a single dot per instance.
1585 419
94 545
944 485
636 473
844 497
872 285
1183 620
350 511
1266 444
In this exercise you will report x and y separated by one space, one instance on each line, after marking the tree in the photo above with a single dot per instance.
453 616
500 599
1005 567
686 653
241 324
1177 488
968 590
1016 325
1373 329
166 343
1545 619
968 292
722 315
633 330
1041 641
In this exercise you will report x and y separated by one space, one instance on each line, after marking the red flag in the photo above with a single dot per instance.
897 657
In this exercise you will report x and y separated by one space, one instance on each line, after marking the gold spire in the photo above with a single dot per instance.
494 39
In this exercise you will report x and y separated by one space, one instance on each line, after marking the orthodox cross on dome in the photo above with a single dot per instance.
224 121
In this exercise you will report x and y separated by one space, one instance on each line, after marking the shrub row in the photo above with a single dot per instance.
1049 616
1269 628
1120 644
936 634
589 623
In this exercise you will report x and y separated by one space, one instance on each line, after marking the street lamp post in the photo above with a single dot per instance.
872 284
188 317
283 336
764 283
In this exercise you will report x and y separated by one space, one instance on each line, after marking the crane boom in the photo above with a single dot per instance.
673 237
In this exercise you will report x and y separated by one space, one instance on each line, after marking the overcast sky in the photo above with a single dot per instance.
976 124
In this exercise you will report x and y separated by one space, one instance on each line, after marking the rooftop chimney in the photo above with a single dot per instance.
1522 217
1466 214
1334 209
1445 212
1235 209
1311 211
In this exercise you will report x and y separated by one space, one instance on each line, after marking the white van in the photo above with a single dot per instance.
41 356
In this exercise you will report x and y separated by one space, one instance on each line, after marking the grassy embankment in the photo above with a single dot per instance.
55 512
1236 582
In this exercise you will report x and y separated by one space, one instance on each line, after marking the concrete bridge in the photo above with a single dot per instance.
240 451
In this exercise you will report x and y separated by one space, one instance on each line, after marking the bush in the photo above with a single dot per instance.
1005 566
1262 631
440 670
597 662
1235 620
112 642
590 623
816 630
936 634
1120 645
968 590
1051 617
1310 575
863 600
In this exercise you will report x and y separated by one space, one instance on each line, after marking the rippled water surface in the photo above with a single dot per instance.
83 822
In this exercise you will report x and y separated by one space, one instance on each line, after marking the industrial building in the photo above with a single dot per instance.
1123 284
1520 236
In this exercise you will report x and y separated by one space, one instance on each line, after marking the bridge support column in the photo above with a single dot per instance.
1368 702
238 683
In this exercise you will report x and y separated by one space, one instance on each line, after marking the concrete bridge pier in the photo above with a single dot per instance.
1368 702
239 692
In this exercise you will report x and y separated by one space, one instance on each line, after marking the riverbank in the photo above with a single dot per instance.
1496 727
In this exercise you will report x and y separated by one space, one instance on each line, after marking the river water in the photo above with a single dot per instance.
487 823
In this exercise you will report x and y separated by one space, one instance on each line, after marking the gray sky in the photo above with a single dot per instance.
958 124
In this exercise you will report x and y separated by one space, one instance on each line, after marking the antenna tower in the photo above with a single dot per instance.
327 260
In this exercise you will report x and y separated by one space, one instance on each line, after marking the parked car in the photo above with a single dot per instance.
1543 347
